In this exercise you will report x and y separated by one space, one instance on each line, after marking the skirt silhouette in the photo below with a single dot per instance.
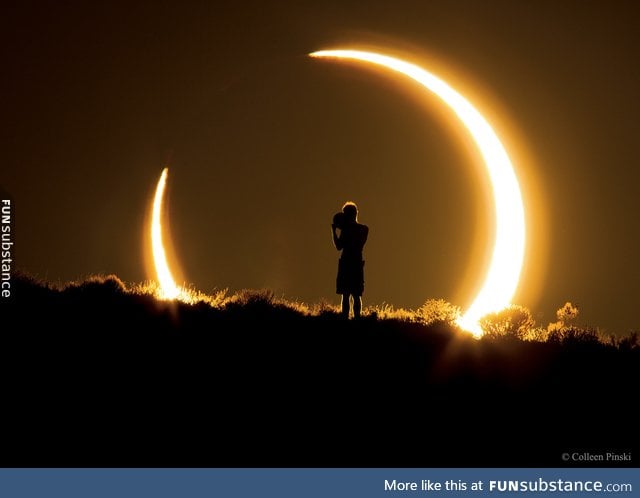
350 277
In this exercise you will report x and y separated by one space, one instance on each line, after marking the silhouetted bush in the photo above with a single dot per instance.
630 342
514 321
438 310
576 335
97 286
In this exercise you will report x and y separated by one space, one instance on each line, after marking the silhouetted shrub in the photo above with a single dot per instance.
514 321
438 310
248 297
565 314
576 336
98 284
537 334
630 342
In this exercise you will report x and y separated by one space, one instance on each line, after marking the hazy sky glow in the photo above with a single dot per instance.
264 144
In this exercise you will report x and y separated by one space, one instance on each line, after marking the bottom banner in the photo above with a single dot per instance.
284 483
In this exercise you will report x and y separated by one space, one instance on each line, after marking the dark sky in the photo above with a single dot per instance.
264 144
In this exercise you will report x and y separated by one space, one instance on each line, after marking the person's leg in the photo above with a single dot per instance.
357 306
345 306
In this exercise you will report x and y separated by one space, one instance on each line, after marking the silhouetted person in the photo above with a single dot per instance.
351 241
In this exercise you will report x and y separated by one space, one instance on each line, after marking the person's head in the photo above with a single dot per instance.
350 211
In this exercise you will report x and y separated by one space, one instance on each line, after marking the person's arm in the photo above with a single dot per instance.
336 240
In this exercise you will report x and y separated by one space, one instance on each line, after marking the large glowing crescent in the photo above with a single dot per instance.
508 253
168 288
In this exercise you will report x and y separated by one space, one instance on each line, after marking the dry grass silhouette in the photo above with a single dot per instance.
514 322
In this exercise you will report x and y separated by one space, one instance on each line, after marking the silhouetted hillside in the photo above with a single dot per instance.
95 375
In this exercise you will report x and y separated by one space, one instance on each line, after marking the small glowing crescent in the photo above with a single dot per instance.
168 288
508 253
